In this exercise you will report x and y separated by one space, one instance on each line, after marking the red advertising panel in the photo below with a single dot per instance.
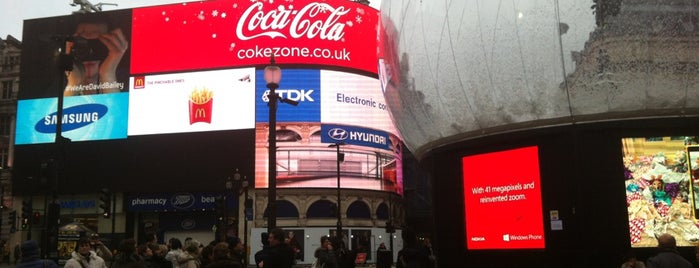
228 33
503 205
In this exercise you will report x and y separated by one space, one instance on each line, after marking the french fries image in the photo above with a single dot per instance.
201 96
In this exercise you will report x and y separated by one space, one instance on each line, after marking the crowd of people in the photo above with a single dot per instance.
278 251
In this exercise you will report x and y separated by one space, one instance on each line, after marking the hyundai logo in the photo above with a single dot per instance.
338 134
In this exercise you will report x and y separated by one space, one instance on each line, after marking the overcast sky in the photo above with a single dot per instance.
14 12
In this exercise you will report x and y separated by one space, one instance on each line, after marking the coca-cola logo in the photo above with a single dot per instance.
319 20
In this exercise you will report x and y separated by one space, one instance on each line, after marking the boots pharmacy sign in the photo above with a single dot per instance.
228 33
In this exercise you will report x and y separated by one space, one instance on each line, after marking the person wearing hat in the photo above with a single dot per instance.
30 256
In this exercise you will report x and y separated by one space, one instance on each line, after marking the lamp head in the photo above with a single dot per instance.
273 74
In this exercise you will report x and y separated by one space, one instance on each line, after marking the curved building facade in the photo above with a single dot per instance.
604 93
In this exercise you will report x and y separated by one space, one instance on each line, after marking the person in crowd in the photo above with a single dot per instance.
99 248
630 261
264 252
384 258
151 238
30 256
667 256
158 260
207 255
222 258
295 245
190 256
412 254
146 254
84 257
345 257
175 251
280 254
127 255
237 249
325 254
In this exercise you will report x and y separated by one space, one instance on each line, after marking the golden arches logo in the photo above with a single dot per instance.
200 113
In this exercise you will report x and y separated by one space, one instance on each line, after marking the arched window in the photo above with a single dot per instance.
321 209
285 135
382 212
285 209
359 209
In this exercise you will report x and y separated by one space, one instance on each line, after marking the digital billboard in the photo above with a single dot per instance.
503 205
175 92
192 102
334 108
657 176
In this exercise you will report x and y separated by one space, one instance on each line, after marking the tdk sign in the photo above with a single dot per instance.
354 135
300 95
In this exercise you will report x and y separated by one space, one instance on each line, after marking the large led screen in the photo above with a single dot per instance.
503 205
175 92
658 193
334 108
192 102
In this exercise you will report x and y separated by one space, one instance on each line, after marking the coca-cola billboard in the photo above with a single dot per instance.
228 33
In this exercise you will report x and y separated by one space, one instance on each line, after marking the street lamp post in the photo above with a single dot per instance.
340 158
273 74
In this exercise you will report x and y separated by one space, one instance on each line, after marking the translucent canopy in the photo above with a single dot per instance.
468 69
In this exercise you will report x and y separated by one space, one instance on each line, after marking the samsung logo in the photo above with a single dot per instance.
338 134
73 118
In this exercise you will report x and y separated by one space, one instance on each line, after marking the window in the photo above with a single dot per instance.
3 157
7 89
5 125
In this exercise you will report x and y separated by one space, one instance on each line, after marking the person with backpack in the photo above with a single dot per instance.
30 256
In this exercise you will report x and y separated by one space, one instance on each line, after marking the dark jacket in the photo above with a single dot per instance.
37 263
280 256
326 257
668 259
225 263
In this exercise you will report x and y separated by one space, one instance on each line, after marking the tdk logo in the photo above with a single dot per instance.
338 134
73 118
291 94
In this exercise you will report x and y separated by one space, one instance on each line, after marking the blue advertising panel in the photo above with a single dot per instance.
176 202
354 135
88 117
296 84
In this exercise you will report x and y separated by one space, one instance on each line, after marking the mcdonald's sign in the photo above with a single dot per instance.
139 82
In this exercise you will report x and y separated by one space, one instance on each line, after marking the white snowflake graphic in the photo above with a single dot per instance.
213 36
214 13
271 1
223 15
235 5
360 10
231 47
167 19
358 19
163 13
349 23
184 22
201 15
